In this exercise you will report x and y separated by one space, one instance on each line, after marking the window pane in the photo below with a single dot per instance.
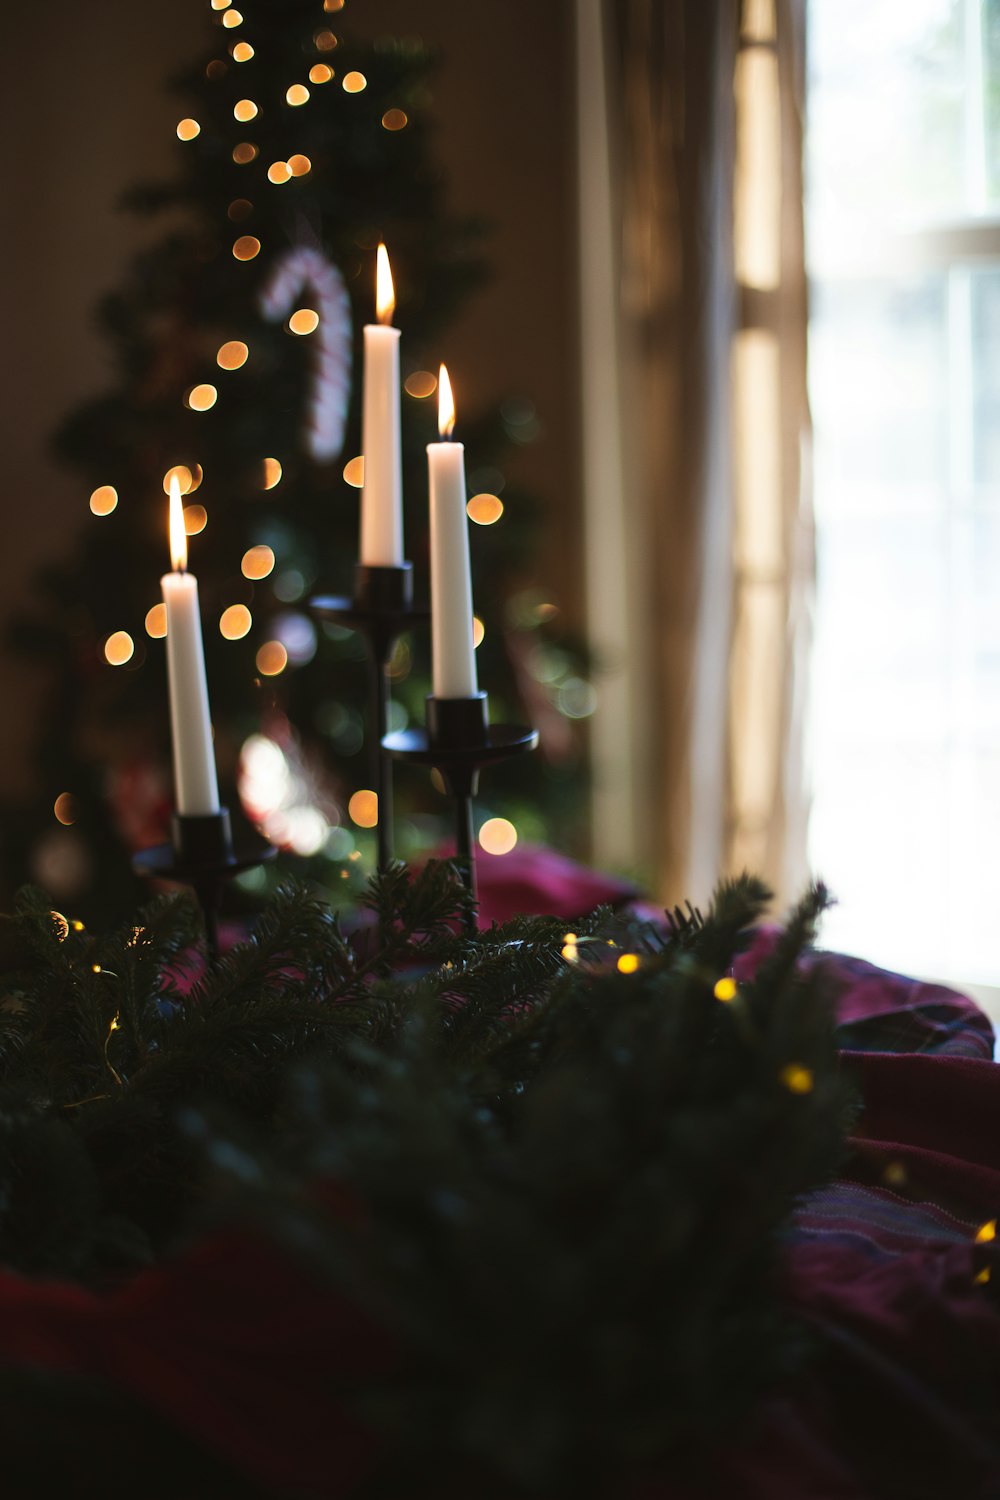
985 288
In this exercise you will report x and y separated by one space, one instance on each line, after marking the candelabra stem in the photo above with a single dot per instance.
381 760
464 850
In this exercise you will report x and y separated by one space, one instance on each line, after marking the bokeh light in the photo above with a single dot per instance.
216 69
485 509
332 5
235 622
244 152
304 320
240 208
245 109
422 383
298 164
353 83
628 963
363 808
104 499
497 836
221 4
272 658
232 355
66 810
232 18
156 622
478 632
187 129
119 648
279 172
195 519
354 471
201 397
394 119
272 473
188 480
297 94
257 562
324 40
242 52
247 246
320 73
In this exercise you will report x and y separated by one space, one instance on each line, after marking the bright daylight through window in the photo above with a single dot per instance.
903 234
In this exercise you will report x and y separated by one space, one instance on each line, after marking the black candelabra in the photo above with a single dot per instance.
203 855
459 741
381 609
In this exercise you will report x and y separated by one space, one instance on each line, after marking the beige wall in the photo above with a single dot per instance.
84 112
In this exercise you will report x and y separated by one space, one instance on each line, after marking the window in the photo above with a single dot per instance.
903 246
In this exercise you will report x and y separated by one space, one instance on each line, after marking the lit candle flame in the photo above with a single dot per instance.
446 405
178 536
385 295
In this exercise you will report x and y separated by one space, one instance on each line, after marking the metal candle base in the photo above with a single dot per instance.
459 741
381 609
202 855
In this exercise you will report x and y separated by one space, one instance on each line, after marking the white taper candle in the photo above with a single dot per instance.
195 783
382 489
452 652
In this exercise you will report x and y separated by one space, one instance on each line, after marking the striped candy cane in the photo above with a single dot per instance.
300 268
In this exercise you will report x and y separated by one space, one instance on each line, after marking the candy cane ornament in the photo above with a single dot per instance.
305 267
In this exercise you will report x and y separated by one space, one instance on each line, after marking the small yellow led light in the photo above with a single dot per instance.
188 129
103 500
272 473
497 836
797 1079
628 963
245 109
981 1277
119 648
278 172
246 247
65 808
725 989
272 658
354 471
232 355
320 73
394 119
485 509
244 152
235 622
420 384
363 809
242 52
353 83
257 562
986 1232
77 925
297 94
305 320
299 165
201 397
156 622
570 952
195 519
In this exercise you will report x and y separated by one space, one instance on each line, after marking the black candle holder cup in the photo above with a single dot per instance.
381 609
459 742
202 854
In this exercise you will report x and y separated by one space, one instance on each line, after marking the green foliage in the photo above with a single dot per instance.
559 1185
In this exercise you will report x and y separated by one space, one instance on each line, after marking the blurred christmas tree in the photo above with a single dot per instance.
235 340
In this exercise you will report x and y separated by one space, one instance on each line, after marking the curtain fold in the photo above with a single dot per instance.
699 107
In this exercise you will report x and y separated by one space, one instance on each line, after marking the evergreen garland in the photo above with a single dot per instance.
560 1177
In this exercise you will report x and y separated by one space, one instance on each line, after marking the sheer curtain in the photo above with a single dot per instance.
699 539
